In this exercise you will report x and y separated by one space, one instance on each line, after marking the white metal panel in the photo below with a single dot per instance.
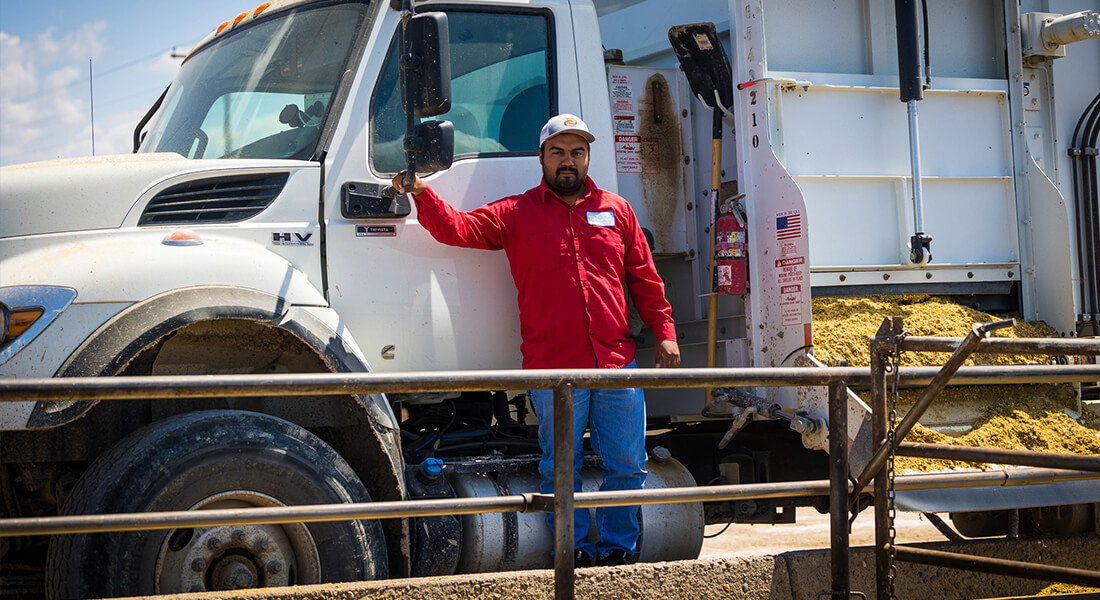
850 223
651 174
835 27
972 220
848 148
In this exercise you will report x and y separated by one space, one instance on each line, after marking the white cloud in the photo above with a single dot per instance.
43 108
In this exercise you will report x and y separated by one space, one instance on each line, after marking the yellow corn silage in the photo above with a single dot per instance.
1031 417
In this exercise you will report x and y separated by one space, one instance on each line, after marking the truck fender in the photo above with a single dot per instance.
111 348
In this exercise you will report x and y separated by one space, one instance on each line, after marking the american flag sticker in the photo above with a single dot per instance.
788 225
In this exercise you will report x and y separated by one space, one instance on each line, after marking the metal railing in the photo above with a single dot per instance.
839 487
890 341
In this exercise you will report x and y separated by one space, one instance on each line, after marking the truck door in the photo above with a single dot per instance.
412 303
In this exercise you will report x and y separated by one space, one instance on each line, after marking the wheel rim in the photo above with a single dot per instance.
233 557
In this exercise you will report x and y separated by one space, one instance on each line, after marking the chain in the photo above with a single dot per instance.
893 367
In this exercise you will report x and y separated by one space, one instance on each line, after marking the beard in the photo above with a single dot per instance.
566 181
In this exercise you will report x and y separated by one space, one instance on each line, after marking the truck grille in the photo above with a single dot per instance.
219 200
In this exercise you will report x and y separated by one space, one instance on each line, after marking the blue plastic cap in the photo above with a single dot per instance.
432 466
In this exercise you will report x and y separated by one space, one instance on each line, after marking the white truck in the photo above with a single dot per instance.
252 232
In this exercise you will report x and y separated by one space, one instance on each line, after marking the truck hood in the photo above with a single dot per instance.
87 193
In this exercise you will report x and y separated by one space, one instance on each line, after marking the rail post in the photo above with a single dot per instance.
563 492
838 491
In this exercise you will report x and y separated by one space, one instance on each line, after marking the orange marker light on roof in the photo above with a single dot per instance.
222 27
240 18
261 8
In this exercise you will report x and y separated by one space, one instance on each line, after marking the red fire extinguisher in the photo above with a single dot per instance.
731 251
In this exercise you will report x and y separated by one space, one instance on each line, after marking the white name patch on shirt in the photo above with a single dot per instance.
601 218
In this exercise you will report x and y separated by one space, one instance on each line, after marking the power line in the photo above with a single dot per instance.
99 75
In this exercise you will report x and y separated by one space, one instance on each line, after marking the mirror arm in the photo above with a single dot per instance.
406 86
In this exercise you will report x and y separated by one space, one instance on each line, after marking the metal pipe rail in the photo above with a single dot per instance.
1029 458
499 504
998 566
319 384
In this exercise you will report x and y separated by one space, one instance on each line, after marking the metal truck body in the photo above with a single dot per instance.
251 232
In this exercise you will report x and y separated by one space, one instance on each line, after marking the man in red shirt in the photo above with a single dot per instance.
574 249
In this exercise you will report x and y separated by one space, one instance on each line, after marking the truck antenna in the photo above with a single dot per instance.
91 103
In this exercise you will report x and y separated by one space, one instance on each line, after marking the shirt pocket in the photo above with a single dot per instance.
604 246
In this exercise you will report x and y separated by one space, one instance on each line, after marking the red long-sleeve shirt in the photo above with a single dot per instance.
570 265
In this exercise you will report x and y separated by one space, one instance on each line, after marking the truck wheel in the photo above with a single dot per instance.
209 460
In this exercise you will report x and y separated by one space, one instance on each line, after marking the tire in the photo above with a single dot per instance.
214 459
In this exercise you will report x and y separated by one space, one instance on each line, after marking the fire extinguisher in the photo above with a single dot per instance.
731 250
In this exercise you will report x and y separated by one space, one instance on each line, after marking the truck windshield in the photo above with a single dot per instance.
261 92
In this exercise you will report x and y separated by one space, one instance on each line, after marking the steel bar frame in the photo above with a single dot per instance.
890 338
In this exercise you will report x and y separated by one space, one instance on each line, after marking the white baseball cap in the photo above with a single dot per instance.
565 123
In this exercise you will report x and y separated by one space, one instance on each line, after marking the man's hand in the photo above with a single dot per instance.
668 354
415 189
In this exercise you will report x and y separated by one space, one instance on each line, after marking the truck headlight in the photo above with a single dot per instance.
26 311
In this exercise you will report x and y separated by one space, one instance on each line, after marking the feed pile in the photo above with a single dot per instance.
843 326
1031 417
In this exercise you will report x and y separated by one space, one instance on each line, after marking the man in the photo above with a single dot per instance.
572 249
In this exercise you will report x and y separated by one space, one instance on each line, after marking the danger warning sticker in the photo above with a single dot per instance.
628 154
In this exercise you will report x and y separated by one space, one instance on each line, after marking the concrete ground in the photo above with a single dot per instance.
810 532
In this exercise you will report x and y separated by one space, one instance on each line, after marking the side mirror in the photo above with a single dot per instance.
431 147
426 63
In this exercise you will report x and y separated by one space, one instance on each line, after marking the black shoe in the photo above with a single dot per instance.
615 558
582 560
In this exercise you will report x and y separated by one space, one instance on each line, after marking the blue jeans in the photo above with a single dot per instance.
617 422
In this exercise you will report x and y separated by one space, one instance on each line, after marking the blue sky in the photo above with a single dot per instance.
45 46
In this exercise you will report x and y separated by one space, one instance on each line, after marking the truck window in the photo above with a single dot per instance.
261 92
500 89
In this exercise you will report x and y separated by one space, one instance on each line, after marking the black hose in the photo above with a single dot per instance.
1085 205
1089 152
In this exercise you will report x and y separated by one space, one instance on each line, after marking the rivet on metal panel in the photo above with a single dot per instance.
690 205
928 276
1011 274
970 275
843 277
885 276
